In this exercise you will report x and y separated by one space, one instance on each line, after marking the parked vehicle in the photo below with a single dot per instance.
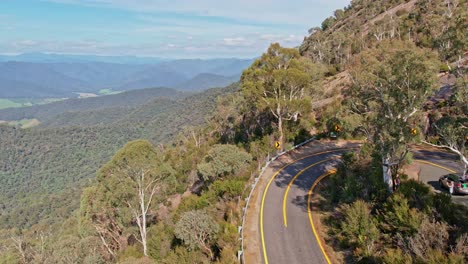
460 185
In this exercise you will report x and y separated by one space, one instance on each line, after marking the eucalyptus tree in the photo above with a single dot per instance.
197 229
223 160
127 188
390 84
451 130
281 82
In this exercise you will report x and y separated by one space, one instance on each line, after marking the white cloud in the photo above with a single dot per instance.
270 37
26 43
238 41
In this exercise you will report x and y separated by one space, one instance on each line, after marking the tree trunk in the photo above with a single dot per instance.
387 173
143 222
280 129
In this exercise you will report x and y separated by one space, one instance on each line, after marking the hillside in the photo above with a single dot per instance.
49 112
429 24
207 80
43 170
23 79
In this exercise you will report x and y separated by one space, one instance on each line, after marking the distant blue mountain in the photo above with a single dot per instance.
64 79
69 58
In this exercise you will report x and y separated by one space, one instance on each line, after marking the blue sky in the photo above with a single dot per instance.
159 28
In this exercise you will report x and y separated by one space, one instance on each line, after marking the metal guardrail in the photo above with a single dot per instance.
240 253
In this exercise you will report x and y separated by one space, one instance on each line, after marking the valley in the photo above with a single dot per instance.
143 132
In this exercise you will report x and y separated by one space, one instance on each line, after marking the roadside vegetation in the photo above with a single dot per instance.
367 224
173 195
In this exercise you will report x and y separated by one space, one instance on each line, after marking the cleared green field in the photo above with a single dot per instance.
21 102
6 103
108 92
24 123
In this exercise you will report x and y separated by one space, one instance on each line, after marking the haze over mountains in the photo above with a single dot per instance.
51 75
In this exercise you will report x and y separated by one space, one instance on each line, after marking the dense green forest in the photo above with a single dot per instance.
44 169
366 73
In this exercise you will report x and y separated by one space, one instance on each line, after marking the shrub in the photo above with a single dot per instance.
223 160
197 229
228 188
417 193
161 238
396 256
430 241
182 255
398 217
132 253
359 227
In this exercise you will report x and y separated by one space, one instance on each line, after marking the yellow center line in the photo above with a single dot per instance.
435 165
285 197
262 232
332 172
310 213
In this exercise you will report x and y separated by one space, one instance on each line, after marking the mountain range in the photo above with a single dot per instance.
57 58
50 77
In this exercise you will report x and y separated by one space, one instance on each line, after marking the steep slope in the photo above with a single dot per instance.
43 170
191 68
29 77
205 81
155 76
99 74
438 25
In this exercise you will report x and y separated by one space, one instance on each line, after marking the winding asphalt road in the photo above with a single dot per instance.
288 235
287 232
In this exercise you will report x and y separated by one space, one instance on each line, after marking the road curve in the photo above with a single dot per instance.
286 230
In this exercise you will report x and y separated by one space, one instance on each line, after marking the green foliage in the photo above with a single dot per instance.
328 23
398 217
135 178
161 239
227 235
412 224
359 227
136 260
196 229
228 188
390 84
130 252
396 256
441 204
357 177
222 161
418 194
281 83
182 255
43 170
